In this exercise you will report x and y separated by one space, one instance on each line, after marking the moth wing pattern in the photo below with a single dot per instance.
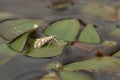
41 41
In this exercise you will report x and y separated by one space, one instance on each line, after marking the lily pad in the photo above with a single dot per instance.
89 35
68 75
66 30
19 44
99 63
53 50
14 28
5 54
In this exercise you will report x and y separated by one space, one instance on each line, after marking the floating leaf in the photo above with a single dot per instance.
53 50
89 35
14 28
5 54
68 75
19 44
66 29
101 64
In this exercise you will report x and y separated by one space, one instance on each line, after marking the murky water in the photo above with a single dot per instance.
39 9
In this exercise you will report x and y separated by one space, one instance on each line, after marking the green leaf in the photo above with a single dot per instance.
117 54
68 75
53 50
89 35
19 44
66 30
99 63
6 54
14 28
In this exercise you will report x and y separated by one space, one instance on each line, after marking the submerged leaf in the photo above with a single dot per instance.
66 29
109 43
68 75
5 54
14 28
19 44
102 11
115 33
5 15
2 40
59 4
53 50
89 35
118 15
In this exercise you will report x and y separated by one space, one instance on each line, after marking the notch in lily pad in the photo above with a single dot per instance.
89 35
19 43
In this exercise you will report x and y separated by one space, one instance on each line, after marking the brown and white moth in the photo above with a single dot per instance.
42 41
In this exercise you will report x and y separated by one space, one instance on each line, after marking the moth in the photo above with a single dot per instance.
42 41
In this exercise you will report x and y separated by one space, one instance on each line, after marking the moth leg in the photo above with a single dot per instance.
49 44
57 41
